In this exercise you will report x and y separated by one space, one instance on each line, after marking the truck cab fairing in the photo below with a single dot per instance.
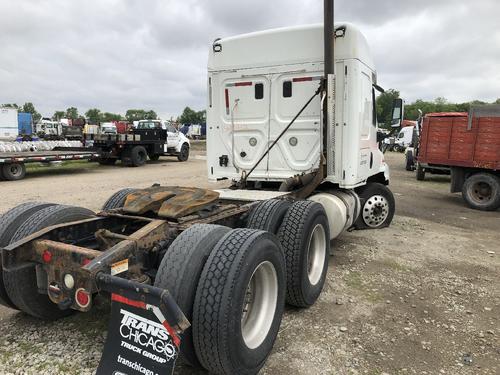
258 82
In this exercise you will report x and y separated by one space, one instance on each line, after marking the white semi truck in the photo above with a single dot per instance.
257 84
215 267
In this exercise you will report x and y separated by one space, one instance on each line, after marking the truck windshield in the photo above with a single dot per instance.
149 125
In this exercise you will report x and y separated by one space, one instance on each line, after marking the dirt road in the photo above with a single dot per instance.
420 297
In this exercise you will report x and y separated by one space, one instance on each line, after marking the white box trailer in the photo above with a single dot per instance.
8 124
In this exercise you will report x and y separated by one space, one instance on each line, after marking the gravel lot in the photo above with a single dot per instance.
420 297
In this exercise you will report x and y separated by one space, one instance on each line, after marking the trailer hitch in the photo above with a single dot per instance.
144 329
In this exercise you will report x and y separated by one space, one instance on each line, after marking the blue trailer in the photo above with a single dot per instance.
25 123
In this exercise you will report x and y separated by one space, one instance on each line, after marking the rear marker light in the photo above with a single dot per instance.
85 261
47 256
82 298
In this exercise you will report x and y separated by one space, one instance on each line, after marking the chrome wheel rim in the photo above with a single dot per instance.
316 252
259 306
375 211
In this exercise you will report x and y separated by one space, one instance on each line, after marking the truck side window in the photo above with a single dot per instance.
259 91
287 89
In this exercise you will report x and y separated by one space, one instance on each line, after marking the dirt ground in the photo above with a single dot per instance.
419 297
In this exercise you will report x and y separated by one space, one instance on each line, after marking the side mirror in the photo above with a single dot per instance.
397 113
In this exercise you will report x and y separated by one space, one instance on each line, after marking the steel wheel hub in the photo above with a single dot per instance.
316 252
375 211
481 192
259 306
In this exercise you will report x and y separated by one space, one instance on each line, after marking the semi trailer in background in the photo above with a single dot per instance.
293 124
9 129
468 145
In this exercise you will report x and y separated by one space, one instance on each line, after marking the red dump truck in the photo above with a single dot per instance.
469 145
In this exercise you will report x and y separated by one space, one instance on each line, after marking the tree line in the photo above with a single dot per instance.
96 116
440 104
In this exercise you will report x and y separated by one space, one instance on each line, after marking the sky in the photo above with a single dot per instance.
152 54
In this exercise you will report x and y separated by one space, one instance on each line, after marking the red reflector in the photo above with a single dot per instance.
47 256
85 261
302 79
82 298
239 84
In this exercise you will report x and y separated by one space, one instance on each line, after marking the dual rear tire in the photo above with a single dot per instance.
231 285
20 289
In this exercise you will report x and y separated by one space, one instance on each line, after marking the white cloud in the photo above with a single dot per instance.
121 54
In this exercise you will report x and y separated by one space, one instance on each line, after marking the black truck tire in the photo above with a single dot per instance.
268 215
410 162
138 156
9 222
117 200
13 171
107 161
184 153
20 282
481 191
154 157
180 270
305 237
239 302
377 206
420 172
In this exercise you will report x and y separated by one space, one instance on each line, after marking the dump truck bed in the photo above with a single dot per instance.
461 140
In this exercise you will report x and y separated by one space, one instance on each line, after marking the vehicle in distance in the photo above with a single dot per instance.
150 139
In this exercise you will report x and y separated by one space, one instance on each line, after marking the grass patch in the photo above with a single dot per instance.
355 281
392 264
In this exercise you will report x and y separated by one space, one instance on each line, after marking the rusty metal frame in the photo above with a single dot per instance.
109 248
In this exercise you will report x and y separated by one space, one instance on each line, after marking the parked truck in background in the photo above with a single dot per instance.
8 124
25 124
149 139
468 145
300 144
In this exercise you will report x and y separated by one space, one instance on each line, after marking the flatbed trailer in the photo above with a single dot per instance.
13 164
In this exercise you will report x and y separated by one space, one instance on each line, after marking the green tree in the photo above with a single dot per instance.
190 116
140 114
72 113
151 115
108 117
58 115
93 115
10 105
384 107
30 108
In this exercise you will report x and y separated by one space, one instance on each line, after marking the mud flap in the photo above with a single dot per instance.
144 329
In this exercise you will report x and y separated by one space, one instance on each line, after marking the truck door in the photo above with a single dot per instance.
245 129
298 150
172 136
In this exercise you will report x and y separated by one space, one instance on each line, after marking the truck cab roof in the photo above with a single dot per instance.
287 46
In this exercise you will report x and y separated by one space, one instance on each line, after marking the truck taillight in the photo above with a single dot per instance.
82 298
47 256
85 261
